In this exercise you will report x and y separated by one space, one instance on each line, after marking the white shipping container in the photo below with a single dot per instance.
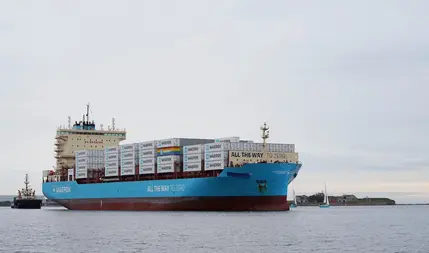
254 147
111 168
192 158
246 146
112 157
285 148
228 145
228 139
215 156
147 145
214 165
148 161
128 170
129 147
128 163
147 153
112 149
147 169
81 153
81 174
193 149
242 146
275 147
194 166
82 160
236 146
172 142
82 167
128 155
111 172
215 147
112 164
165 168
168 159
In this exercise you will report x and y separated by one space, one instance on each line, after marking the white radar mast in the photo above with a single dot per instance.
265 135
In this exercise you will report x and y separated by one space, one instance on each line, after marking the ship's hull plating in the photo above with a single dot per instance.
265 203
253 187
27 204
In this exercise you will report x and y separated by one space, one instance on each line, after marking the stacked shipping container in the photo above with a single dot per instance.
216 156
193 157
147 157
111 166
166 156
129 159
258 147
228 139
87 160
169 155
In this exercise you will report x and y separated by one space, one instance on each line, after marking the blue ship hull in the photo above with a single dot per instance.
257 187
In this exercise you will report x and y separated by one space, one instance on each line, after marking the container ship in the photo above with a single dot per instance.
94 171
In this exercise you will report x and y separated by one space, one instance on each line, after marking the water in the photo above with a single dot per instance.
303 229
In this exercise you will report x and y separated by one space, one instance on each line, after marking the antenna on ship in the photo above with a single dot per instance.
26 182
69 122
265 135
87 112
113 124
101 127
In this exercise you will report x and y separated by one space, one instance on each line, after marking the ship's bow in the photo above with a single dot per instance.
266 183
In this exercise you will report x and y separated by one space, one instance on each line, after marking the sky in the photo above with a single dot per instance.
346 82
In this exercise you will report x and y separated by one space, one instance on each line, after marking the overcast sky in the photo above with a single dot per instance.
347 82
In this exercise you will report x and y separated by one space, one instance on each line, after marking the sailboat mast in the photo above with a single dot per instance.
294 197
326 195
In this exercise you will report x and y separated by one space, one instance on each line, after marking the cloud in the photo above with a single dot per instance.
346 82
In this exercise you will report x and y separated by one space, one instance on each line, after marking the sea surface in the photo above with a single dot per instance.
303 229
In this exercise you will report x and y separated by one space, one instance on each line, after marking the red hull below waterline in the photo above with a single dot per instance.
266 203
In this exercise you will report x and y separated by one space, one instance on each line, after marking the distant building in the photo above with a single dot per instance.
347 199
302 199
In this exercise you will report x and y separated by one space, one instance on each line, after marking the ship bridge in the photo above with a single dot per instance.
83 135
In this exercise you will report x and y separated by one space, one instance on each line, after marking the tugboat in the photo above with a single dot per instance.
26 198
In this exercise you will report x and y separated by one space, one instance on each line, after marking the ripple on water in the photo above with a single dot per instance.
304 229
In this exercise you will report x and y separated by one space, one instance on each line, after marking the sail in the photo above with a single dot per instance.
294 197
326 195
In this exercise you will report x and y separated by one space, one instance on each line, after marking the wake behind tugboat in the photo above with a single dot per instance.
26 198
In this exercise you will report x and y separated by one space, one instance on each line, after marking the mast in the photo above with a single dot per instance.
87 113
26 182
265 135
294 197
326 195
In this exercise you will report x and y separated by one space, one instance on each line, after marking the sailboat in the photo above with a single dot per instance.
325 203
294 200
